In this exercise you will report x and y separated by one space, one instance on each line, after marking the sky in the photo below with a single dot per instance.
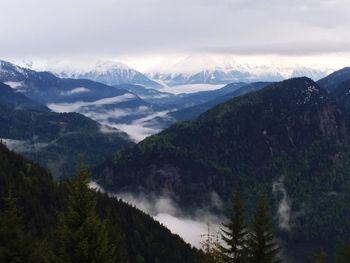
143 32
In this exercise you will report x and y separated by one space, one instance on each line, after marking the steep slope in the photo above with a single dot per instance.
17 100
215 76
45 87
40 200
204 69
108 72
289 140
238 123
111 73
199 69
185 100
150 95
218 76
56 139
331 82
193 112
53 139
308 72
341 94
169 104
108 105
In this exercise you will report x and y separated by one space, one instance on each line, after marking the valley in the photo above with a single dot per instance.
163 131
287 139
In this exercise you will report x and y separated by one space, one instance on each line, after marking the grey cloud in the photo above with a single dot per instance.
120 28
292 48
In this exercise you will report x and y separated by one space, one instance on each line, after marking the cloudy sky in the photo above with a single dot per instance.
140 29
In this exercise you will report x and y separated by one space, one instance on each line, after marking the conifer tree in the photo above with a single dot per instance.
15 243
234 234
343 255
261 245
320 258
82 236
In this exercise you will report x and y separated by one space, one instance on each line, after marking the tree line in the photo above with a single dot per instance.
239 242
80 236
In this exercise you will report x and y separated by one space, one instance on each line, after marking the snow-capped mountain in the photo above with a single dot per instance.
214 76
111 73
314 74
12 73
198 69
190 70
108 105
106 72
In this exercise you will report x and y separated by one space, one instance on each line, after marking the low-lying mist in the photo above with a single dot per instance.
189 226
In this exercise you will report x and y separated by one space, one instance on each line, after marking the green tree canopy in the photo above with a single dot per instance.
82 236
234 234
262 246
16 245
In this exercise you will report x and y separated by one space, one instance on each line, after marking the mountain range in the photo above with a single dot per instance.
109 105
198 69
188 70
289 140
221 95
52 139
135 109
17 101
111 73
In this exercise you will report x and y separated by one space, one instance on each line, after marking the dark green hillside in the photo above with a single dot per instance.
194 111
290 135
54 139
39 200
342 94
17 100
241 135
45 87
36 194
332 81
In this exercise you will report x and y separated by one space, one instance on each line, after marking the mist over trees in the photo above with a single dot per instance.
42 221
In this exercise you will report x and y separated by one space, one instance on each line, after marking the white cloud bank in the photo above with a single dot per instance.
77 106
140 129
163 209
75 91
191 88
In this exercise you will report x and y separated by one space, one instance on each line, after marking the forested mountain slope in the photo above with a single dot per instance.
138 237
332 81
52 139
193 112
289 140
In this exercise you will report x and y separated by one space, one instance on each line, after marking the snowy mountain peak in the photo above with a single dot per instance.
308 72
104 71
115 73
108 65
7 66
199 69
12 72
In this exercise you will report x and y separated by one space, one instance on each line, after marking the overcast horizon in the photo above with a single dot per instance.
145 33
